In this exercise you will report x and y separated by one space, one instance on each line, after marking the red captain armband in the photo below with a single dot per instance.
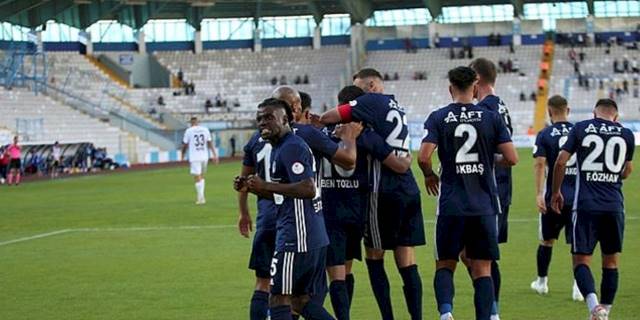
345 112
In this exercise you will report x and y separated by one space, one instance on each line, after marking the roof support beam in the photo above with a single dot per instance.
434 7
590 8
12 8
360 10
518 8
316 11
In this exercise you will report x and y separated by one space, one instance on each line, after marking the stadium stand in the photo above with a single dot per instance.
63 123
597 68
246 76
421 97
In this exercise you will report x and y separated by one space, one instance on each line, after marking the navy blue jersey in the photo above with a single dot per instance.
320 144
602 148
300 224
340 185
467 137
257 154
503 174
382 113
548 144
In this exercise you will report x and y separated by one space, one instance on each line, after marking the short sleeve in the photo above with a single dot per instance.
297 161
539 150
502 132
185 138
319 142
431 127
631 145
208 135
572 141
364 108
247 159
373 143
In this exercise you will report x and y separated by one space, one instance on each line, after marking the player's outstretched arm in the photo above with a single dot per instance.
245 224
509 154
331 117
347 152
303 189
557 201
431 179
539 170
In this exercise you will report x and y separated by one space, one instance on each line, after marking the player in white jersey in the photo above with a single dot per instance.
198 140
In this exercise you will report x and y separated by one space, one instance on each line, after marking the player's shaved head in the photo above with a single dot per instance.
607 103
349 93
305 101
288 94
462 78
485 69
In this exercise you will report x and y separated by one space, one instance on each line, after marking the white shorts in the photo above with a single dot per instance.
198 167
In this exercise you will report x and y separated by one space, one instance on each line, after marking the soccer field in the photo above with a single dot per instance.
135 246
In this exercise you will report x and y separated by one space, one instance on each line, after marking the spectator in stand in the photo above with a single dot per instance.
396 77
15 165
180 76
56 153
608 49
635 92
515 65
582 56
160 101
283 80
193 88
305 79
523 96
452 53
572 54
533 96
616 65
509 65
512 49
625 86
274 81
436 40
498 39
634 65
232 143
208 105
386 77
297 80
576 67
218 99
236 102
4 164
625 65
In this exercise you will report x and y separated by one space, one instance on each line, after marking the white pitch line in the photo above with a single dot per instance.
191 227
37 236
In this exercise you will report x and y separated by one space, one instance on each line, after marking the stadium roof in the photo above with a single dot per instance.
135 13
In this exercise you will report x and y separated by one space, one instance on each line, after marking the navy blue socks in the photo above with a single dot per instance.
380 286
544 259
350 283
339 299
412 290
259 305
609 286
444 289
483 297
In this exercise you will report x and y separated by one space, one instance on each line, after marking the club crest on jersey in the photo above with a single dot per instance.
297 168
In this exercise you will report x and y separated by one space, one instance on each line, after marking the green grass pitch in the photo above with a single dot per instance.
135 246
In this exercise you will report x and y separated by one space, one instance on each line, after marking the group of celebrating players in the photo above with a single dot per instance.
325 183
